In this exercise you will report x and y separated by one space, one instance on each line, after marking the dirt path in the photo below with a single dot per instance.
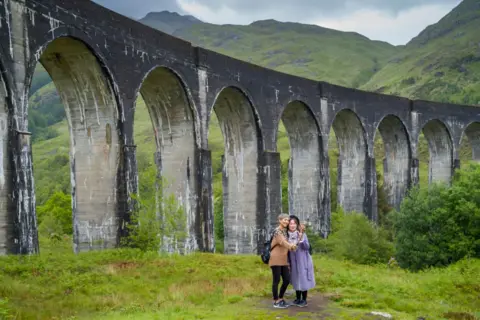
316 309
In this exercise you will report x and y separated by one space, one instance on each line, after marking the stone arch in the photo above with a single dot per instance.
87 93
304 178
396 164
472 132
441 151
172 117
242 138
352 160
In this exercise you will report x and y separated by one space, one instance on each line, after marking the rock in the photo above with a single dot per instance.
383 315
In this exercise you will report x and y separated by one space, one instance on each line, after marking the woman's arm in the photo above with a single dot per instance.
281 241
303 243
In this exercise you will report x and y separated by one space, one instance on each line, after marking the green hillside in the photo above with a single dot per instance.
442 63
169 22
310 51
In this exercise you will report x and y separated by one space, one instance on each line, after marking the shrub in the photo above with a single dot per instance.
438 225
4 310
353 237
359 240
55 216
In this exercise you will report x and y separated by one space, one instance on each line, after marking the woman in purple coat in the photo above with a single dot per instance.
301 264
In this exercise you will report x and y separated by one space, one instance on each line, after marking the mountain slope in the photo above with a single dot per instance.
442 63
310 51
169 22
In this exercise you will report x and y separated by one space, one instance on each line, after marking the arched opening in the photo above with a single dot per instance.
85 95
393 158
241 222
347 163
6 204
166 158
303 174
470 143
440 150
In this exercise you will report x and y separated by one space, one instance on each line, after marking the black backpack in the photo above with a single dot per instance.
266 250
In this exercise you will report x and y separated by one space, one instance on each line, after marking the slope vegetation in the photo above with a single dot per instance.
442 63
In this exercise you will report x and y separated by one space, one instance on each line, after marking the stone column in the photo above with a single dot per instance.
269 197
324 201
131 188
455 166
25 235
205 219
414 171
370 202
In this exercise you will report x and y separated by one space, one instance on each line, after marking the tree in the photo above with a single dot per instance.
438 225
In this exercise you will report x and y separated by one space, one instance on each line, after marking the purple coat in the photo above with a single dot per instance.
302 275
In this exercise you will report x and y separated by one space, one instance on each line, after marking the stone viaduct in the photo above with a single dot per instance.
101 61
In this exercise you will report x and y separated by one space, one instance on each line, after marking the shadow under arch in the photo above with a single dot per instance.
440 147
397 160
87 93
242 220
304 167
352 160
172 118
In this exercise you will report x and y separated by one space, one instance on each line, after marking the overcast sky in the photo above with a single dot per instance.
394 21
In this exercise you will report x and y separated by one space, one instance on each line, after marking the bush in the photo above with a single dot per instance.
55 216
438 225
353 237
359 240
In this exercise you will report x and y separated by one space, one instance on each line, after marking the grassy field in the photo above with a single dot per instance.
129 284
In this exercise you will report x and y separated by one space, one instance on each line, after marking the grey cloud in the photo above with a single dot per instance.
139 8
301 10
285 10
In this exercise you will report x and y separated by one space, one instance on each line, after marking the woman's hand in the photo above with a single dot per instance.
301 228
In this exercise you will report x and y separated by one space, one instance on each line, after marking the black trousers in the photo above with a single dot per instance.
277 272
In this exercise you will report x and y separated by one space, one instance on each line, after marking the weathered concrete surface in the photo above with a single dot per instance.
240 181
99 60
22 238
304 182
351 178
440 147
94 147
396 164
6 205
270 205
174 129
472 132
205 224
